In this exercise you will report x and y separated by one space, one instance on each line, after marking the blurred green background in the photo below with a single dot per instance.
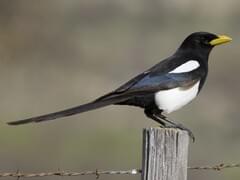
58 54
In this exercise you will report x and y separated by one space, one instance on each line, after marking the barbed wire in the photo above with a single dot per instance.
97 173
218 167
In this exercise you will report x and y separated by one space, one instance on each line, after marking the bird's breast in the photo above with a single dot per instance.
173 99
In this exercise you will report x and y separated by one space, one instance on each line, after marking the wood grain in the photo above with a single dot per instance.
165 154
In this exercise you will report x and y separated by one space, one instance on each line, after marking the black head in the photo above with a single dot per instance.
203 42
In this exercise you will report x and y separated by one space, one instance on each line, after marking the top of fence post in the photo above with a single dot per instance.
165 154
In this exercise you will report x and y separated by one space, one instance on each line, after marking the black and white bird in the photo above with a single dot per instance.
164 88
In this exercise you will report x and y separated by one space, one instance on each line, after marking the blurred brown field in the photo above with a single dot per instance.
58 54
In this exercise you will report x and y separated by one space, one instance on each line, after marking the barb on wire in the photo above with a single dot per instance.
218 167
97 173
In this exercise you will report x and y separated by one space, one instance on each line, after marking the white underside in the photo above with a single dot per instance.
173 99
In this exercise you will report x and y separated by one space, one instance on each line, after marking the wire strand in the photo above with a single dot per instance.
97 173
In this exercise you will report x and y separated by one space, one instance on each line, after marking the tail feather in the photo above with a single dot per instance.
69 112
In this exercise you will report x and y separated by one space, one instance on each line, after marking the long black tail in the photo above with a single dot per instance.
69 112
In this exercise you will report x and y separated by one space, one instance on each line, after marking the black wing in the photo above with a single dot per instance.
153 82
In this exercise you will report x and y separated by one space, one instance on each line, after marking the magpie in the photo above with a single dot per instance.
162 89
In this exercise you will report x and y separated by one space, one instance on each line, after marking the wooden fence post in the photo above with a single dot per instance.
165 154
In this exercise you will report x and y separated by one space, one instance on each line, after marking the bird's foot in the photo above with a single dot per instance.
164 122
171 124
180 126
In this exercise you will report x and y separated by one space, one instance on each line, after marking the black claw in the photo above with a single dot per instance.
191 135
179 126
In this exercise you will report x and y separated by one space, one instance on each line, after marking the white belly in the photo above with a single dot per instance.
173 99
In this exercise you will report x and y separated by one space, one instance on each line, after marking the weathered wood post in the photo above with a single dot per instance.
165 154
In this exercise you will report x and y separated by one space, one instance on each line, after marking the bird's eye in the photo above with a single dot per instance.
204 41
198 41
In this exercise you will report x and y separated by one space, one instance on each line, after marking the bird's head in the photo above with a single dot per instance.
203 42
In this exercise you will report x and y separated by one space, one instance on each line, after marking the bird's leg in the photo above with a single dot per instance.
149 113
157 116
172 124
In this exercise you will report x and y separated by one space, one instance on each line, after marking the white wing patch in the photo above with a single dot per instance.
186 67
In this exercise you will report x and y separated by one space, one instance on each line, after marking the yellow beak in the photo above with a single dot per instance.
220 40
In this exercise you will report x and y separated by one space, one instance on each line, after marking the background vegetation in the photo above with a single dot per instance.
57 54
